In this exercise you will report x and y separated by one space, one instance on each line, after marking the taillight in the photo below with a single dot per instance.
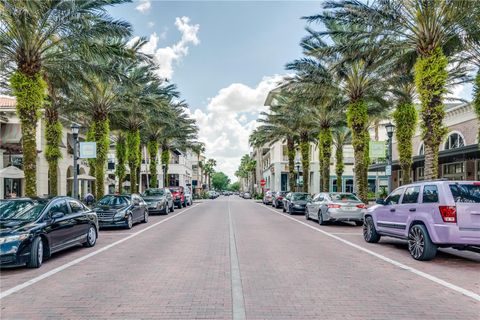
361 206
280 198
449 213
334 206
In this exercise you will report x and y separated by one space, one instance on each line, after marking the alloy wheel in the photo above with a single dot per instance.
367 229
40 252
416 242
91 236
129 222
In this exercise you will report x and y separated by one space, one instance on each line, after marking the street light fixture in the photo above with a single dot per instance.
297 165
390 128
164 169
75 128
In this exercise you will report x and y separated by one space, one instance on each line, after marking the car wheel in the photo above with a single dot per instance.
36 253
320 218
289 210
359 223
172 209
283 209
370 234
307 215
91 237
184 204
420 245
145 217
129 224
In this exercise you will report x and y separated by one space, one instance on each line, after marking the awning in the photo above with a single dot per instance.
83 177
11 172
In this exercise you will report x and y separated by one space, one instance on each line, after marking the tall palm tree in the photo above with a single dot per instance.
26 47
427 33
341 136
199 148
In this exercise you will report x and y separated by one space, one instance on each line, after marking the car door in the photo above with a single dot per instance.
387 219
60 228
78 214
408 207
311 206
137 208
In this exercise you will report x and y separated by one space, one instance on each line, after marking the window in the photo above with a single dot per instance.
349 185
411 195
454 140
343 197
59 206
76 206
420 173
467 193
111 164
430 194
394 197
453 168
421 152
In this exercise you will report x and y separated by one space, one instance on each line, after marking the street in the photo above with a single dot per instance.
232 258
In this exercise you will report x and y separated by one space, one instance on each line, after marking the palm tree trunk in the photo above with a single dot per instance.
325 153
430 80
291 163
133 145
29 90
476 99
53 137
357 118
165 160
405 118
339 166
152 153
305 151
102 129
121 154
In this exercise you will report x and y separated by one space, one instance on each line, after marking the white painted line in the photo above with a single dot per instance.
238 303
422 274
50 273
346 233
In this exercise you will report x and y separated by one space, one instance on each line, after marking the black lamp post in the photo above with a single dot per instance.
75 128
297 165
390 129
164 169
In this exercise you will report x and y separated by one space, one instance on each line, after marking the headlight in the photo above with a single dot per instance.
120 214
18 237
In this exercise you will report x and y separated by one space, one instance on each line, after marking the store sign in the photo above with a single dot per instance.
88 150
388 170
377 149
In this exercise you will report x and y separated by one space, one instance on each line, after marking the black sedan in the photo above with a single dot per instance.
295 202
121 210
42 227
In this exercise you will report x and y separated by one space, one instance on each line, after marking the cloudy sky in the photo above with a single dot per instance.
225 56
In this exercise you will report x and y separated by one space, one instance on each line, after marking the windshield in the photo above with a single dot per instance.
154 193
114 201
300 196
28 213
174 190
343 197
467 193
9 208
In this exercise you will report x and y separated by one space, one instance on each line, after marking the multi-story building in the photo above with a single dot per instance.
272 164
459 154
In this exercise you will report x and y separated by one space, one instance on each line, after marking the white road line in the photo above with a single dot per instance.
346 233
422 274
50 273
238 303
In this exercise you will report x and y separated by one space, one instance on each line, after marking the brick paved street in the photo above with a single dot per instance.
182 269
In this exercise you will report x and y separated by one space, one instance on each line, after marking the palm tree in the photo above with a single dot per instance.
26 48
341 136
428 34
121 155
209 169
199 148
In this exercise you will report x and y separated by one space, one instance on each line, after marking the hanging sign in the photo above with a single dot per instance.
88 150
377 149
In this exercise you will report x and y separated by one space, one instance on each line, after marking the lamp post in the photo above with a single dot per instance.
390 129
75 128
164 169
297 165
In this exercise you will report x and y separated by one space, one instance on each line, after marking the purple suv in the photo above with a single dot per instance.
429 214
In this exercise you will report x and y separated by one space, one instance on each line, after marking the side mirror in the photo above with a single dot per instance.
380 201
57 215
136 202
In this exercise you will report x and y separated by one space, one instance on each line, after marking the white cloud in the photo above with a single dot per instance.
144 6
151 24
229 119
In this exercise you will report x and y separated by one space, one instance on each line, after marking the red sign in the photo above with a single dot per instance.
263 182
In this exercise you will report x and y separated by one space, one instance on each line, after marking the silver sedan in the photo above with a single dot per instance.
335 206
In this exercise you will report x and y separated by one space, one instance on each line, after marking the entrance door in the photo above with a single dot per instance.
12 187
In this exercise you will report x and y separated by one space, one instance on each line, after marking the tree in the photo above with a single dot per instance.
26 49
220 181
209 170
341 136
234 186
121 155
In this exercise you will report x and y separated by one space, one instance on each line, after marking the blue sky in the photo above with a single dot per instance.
224 56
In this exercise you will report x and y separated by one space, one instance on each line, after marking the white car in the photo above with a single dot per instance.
188 196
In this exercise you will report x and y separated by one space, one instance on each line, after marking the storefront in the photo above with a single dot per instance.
13 179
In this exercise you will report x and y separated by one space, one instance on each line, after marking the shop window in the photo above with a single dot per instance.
454 140
349 185
420 173
421 152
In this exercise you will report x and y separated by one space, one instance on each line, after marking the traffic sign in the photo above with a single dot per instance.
263 182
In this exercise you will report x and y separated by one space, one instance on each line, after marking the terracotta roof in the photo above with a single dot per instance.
7 102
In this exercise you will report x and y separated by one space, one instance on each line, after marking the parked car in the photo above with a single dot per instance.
247 195
158 200
12 206
295 202
121 210
336 206
277 199
33 232
267 198
178 197
212 194
188 197
429 215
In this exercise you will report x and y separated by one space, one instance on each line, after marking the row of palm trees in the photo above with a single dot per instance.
73 58
368 61
246 170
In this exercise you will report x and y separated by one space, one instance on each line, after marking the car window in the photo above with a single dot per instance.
321 197
411 195
394 197
343 197
430 194
59 206
466 193
76 206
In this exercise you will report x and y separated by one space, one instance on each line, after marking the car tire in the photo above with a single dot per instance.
172 209
91 237
320 218
36 253
283 209
129 221
359 223
184 203
289 211
370 234
420 245
145 217
307 215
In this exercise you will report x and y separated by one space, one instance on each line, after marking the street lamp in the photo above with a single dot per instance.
75 128
164 169
388 170
297 165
